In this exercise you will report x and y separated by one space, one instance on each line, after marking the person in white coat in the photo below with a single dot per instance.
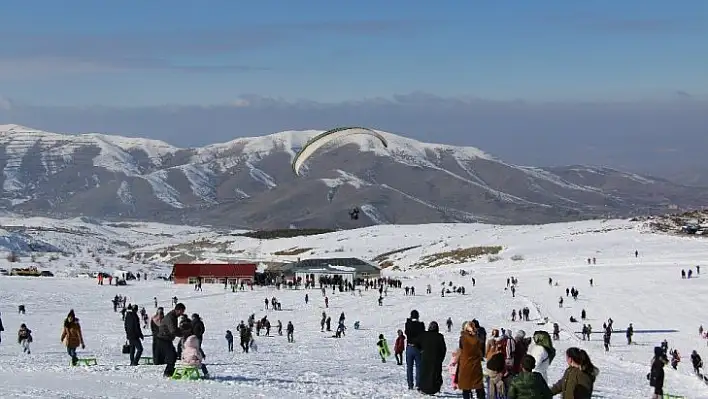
542 351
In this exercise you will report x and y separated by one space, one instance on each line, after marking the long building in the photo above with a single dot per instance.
213 273
349 269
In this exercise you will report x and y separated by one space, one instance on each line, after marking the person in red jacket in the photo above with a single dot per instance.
399 347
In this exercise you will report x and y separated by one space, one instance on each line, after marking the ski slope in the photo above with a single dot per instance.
646 291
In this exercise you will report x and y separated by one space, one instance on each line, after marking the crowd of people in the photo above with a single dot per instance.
502 366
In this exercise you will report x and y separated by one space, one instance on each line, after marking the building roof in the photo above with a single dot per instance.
186 270
334 265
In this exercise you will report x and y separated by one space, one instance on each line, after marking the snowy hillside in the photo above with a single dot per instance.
82 245
646 290
248 182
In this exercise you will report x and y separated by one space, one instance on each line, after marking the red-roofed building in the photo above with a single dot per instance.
216 273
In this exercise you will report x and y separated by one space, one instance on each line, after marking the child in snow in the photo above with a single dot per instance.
24 338
192 355
675 358
230 340
383 348
399 346
452 367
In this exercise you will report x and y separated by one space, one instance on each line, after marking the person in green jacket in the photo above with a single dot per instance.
528 384
578 380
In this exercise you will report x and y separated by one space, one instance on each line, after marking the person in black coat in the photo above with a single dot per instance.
134 335
167 332
433 351
656 375
155 328
198 329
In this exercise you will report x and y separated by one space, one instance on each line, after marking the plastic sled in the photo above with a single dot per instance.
86 361
187 373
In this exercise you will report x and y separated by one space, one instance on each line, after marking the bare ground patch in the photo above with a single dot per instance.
292 251
456 256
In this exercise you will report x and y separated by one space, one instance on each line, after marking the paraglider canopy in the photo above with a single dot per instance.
327 137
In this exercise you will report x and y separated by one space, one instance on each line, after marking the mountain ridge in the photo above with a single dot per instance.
248 182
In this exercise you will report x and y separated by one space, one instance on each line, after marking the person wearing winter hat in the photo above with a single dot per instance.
522 346
542 350
382 345
413 330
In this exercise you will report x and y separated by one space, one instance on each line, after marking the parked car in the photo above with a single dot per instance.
46 273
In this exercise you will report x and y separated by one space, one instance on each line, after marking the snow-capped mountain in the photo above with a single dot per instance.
248 182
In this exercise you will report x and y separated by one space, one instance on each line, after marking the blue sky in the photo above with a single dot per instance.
71 52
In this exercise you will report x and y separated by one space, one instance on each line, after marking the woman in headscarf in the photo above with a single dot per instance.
71 336
469 369
433 351
155 327
542 350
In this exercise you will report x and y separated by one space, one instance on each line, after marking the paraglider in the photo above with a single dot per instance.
327 137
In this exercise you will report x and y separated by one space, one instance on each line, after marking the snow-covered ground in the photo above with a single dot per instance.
646 291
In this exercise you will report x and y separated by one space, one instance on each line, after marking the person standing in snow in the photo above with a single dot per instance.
246 335
198 329
168 331
398 347
469 369
630 333
656 374
71 336
509 350
542 351
290 329
1 329
449 324
134 335
155 328
522 348
578 380
24 338
413 329
607 337
529 384
433 351
230 340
